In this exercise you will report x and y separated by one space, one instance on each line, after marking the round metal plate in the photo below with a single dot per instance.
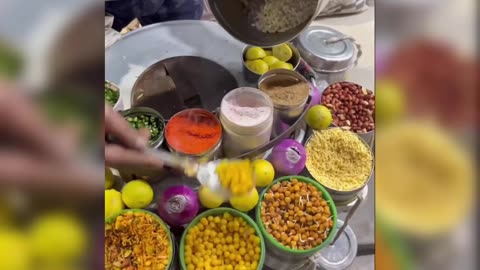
182 82
127 58
341 254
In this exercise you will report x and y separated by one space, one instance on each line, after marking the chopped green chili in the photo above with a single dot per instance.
152 123
111 95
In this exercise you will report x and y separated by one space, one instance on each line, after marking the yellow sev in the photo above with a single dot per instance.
338 159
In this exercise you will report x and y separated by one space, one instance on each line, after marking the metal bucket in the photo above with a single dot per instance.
284 115
253 77
345 197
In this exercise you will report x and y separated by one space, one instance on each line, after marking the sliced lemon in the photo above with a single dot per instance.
258 66
279 64
255 53
283 52
270 60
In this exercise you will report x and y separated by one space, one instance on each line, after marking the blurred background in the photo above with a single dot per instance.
426 87
51 151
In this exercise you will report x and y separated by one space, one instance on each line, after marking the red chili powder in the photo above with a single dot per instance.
193 131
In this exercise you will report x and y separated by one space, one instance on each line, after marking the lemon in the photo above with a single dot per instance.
268 53
290 66
283 52
389 102
270 60
258 66
255 53
113 202
209 199
245 202
137 194
58 237
14 253
263 172
318 117
279 64
109 178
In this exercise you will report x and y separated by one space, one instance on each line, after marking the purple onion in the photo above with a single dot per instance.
289 157
178 205
315 94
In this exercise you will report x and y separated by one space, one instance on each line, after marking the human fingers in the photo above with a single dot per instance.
117 156
28 172
21 119
118 127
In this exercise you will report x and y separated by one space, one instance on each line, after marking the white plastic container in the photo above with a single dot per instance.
246 115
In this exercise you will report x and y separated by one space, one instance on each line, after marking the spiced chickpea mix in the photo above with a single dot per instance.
296 214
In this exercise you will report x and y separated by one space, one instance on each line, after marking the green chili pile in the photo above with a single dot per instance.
152 123
111 95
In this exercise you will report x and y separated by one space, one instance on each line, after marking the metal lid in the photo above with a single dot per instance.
316 47
341 254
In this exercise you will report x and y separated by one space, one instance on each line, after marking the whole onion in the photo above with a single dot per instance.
178 205
289 157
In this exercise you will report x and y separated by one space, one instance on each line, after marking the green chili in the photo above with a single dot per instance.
150 122
111 95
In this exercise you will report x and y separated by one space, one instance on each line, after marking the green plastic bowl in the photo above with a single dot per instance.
218 212
279 246
111 220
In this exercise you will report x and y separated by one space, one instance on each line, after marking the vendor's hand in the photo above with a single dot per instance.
131 153
36 155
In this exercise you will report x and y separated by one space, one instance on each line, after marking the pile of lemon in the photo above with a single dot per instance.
260 60
135 194
222 242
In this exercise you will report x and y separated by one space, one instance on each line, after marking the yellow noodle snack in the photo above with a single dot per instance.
136 240
338 159
424 180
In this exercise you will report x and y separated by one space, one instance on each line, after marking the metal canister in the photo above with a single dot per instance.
253 77
283 116
345 197
329 52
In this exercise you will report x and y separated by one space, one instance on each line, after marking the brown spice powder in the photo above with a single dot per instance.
285 94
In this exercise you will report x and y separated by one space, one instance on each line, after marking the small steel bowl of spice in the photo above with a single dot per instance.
289 92
137 239
112 95
352 107
259 60
194 132
297 217
143 117
340 161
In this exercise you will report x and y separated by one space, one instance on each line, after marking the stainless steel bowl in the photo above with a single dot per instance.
148 111
118 105
230 15
284 115
346 196
253 77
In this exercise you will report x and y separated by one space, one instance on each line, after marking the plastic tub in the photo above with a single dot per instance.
218 212
247 117
275 247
